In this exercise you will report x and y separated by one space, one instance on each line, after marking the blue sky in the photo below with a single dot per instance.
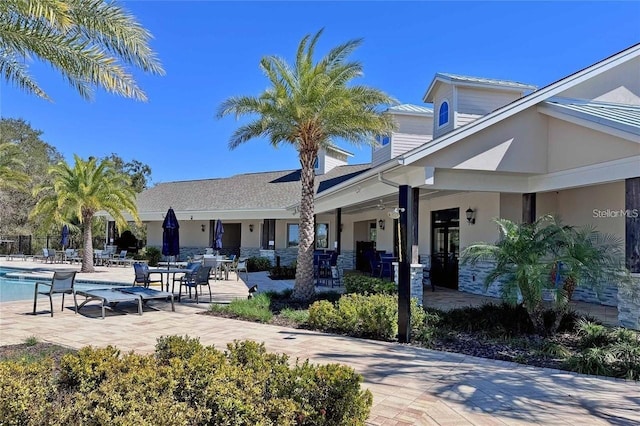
211 51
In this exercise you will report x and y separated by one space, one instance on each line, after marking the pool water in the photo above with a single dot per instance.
13 289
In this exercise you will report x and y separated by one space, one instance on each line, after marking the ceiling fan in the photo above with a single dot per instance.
380 205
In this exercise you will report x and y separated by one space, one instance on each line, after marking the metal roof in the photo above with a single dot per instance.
410 109
620 116
485 81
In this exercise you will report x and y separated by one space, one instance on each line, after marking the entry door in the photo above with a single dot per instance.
445 245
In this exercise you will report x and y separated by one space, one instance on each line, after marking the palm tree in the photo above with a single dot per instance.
308 105
80 192
526 257
10 165
90 42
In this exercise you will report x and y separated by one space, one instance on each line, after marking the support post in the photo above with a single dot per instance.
529 207
405 204
632 224
338 229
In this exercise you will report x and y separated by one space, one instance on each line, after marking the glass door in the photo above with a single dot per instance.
445 247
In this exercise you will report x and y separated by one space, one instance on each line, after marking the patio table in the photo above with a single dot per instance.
168 271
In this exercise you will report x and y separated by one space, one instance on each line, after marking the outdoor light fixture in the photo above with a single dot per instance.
471 216
202 227
381 224
251 227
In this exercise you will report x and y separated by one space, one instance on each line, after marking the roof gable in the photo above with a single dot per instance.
521 104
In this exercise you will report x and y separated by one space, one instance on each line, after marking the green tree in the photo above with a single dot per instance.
80 192
11 167
307 105
90 42
139 172
526 256
36 156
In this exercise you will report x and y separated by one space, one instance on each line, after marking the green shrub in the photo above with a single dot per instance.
257 264
593 335
322 315
362 284
184 383
153 255
374 316
592 361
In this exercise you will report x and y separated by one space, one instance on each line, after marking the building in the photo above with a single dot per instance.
485 149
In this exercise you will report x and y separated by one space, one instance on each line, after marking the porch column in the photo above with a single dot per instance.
405 204
529 207
338 230
414 227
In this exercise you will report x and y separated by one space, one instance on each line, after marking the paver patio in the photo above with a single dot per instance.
410 385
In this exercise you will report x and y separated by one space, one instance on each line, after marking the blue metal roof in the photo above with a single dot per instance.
411 109
620 116
485 81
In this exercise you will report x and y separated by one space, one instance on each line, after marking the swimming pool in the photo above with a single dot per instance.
15 288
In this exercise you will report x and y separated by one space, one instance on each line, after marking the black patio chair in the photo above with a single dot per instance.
61 283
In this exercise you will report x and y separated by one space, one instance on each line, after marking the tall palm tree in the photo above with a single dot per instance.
307 105
11 175
90 42
80 192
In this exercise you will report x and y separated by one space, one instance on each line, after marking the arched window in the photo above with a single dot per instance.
443 114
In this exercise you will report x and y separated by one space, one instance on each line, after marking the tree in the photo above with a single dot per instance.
80 192
11 166
307 105
36 157
139 172
90 42
526 257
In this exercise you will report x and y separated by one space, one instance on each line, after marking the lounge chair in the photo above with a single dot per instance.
148 294
122 259
109 298
61 283
201 278
47 256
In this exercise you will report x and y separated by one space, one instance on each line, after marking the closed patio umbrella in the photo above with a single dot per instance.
64 237
217 236
170 234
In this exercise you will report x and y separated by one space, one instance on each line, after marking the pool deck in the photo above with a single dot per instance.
410 385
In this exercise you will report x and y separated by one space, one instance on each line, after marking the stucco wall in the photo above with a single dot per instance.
511 207
573 146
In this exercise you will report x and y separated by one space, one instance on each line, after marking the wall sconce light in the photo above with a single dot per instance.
251 227
381 224
471 216
203 226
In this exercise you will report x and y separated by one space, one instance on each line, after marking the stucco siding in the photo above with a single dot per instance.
512 145
483 101
572 146
620 84
511 207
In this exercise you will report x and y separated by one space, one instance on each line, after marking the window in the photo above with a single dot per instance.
383 139
316 163
322 235
293 230
443 114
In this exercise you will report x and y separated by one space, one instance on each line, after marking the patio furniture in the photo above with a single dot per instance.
143 275
201 278
190 272
386 267
47 256
109 298
242 266
149 294
121 259
71 255
61 283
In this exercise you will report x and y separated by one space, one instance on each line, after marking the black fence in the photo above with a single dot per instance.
29 244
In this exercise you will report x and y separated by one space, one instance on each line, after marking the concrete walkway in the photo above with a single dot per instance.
410 385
